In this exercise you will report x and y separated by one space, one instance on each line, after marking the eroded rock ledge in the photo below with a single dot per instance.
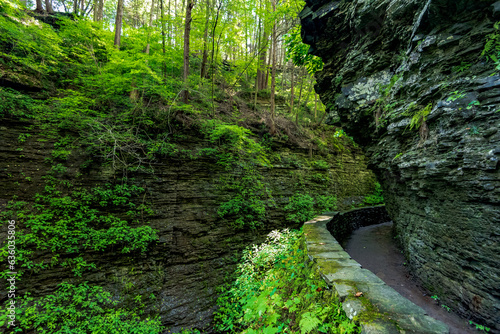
380 309
407 80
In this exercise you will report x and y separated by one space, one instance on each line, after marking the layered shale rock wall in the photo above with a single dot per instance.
196 250
408 81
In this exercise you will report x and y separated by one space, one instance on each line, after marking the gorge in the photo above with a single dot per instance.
137 173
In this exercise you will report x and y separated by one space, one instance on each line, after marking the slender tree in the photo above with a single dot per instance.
162 18
203 71
48 6
187 32
100 10
272 130
292 96
118 23
39 6
219 6
150 26
259 46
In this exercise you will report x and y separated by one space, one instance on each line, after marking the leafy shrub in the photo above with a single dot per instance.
30 45
67 224
13 103
246 212
376 198
326 203
321 164
278 291
300 208
247 207
236 141
297 51
79 309
303 207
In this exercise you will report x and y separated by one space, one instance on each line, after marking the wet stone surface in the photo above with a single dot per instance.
380 309
374 248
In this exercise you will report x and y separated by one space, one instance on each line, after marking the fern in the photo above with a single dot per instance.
308 322
491 49
420 117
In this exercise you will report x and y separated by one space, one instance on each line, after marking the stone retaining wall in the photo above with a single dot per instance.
380 309
344 223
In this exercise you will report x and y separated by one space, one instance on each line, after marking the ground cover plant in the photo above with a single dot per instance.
277 290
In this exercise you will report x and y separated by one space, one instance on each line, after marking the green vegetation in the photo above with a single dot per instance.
376 198
278 290
397 156
491 51
80 309
303 207
456 95
298 52
382 109
420 117
479 327
462 67
250 196
66 221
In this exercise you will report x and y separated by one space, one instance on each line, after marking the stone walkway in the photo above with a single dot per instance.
365 298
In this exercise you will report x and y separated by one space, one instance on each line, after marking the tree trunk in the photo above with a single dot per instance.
311 85
273 74
322 118
162 15
99 10
87 8
48 6
75 6
261 71
187 32
146 51
259 60
292 97
169 28
203 72
283 77
213 54
315 105
118 23
39 6
270 61
301 87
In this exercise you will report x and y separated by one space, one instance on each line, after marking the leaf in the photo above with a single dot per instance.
308 322
270 330
358 294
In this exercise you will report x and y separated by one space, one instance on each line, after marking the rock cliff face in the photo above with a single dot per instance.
407 80
195 250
